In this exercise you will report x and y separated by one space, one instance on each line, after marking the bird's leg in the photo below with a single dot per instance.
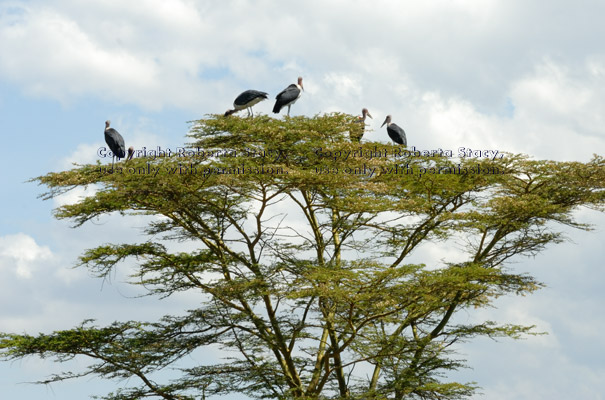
288 110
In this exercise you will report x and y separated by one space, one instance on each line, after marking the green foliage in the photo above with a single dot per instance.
301 245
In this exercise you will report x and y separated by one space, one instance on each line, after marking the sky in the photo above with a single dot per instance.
509 75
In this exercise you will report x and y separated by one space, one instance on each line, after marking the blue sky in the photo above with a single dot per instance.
518 76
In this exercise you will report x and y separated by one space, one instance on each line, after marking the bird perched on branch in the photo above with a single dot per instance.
396 133
246 100
361 120
115 141
288 96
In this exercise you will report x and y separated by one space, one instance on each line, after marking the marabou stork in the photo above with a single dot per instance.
356 136
288 96
396 133
115 141
246 100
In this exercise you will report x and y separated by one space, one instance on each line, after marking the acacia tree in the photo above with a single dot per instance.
301 262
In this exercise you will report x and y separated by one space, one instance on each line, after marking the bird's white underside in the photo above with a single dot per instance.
249 104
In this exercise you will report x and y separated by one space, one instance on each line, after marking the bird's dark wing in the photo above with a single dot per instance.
285 97
397 134
249 96
291 88
115 141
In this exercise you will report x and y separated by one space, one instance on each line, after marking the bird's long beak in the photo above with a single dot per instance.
302 87
370 115
385 121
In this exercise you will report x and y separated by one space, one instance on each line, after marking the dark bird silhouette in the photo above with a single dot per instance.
396 133
115 141
361 120
288 96
246 100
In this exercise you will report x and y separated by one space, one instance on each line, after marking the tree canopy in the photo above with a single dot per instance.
302 268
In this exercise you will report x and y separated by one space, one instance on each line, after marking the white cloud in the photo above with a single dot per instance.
559 108
543 376
75 195
40 291
21 254
341 86
555 116
73 62
85 153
